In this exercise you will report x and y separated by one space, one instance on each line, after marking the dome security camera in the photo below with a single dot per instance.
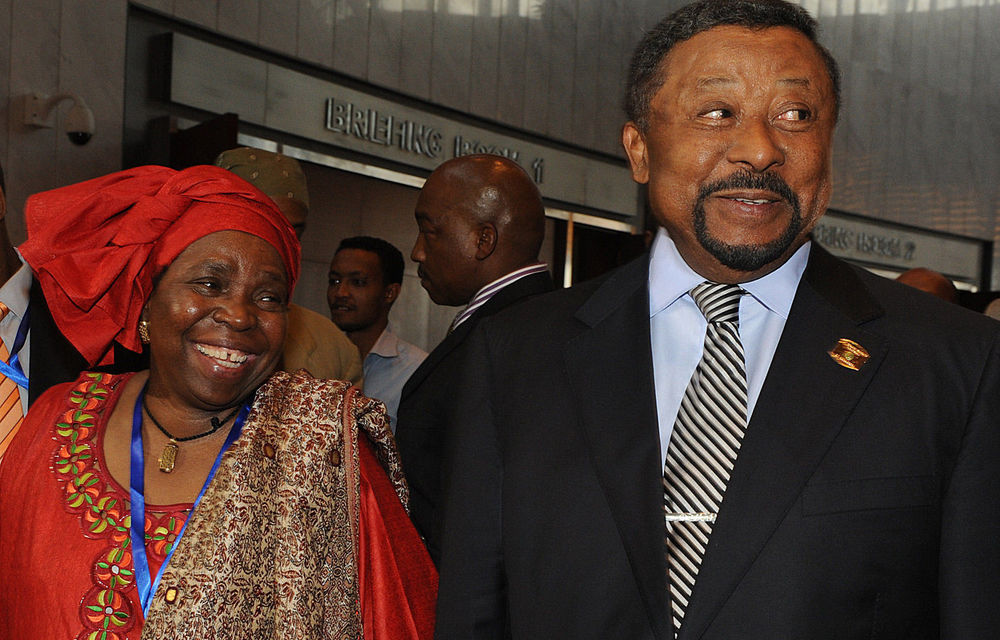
79 123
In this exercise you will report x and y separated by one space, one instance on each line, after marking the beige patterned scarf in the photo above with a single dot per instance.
271 551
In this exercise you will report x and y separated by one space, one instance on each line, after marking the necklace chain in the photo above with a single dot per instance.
216 424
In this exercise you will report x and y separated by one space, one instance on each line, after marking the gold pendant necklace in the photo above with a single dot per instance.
168 457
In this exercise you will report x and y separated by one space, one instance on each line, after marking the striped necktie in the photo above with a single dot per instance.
11 413
705 441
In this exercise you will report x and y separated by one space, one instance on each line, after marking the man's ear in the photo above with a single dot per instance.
390 293
635 148
486 243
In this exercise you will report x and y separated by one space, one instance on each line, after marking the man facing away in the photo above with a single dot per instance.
740 436
312 342
480 223
366 275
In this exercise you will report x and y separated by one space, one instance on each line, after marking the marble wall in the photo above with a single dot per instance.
50 47
918 142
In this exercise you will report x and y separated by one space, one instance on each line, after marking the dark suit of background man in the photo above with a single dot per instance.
480 225
45 356
864 501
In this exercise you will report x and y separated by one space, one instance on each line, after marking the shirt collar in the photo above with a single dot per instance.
387 345
483 295
670 278
490 289
777 289
14 292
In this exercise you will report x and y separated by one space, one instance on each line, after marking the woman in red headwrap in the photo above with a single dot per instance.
208 497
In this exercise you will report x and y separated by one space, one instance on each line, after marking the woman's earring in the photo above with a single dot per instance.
144 331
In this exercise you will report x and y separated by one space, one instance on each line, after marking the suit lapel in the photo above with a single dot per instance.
610 369
434 358
529 285
803 404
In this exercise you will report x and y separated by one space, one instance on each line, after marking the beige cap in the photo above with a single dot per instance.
275 174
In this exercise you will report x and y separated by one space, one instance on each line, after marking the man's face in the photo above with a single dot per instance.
447 242
357 296
738 150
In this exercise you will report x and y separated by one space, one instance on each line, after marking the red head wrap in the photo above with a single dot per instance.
97 246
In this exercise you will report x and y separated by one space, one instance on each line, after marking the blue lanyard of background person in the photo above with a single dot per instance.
12 368
137 481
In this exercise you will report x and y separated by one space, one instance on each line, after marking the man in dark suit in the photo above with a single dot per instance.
26 328
480 224
861 491
44 355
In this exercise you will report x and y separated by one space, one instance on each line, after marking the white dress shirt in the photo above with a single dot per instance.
388 366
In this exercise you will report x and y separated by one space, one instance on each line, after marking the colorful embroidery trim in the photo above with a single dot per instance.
108 609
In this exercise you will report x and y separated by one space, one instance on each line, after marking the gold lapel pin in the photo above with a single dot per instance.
850 354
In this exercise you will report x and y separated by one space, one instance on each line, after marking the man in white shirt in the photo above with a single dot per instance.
366 275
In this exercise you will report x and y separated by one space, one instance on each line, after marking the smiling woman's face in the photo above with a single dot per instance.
217 321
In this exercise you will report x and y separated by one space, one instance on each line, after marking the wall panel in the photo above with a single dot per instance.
415 48
484 67
350 37
237 18
203 13
451 54
314 38
385 44
278 26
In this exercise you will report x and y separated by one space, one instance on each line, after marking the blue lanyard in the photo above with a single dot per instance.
12 369
137 481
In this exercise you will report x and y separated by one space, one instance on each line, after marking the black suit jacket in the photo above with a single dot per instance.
53 359
427 398
863 504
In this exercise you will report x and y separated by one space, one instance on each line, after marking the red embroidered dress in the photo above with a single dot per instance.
66 567
68 545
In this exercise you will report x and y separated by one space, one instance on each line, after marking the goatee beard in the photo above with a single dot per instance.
748 257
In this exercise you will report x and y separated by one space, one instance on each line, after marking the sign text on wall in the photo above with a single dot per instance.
372 125
834 236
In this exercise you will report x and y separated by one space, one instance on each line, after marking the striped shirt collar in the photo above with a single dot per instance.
483 295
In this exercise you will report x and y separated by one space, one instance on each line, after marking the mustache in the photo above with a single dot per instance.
755 181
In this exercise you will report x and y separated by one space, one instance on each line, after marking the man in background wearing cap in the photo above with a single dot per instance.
313 342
